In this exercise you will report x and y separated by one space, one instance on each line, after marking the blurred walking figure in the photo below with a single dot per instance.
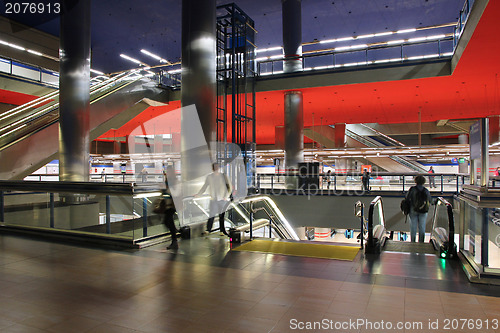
168 220
220 191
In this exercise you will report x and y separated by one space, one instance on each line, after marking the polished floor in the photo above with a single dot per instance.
53 287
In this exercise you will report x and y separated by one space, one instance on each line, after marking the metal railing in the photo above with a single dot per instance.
364 56
336 183
30 72
462 20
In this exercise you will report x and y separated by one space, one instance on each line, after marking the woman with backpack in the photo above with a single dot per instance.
420 200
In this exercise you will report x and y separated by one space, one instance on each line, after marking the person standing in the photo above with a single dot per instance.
365 179
328 179
432 183
420 200
220 190
168 219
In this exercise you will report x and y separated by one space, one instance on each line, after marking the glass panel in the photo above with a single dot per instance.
472 231
128 217
494 238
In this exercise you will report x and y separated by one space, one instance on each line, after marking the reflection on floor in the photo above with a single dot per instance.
204 287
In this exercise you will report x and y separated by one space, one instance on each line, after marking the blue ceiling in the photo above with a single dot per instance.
127 26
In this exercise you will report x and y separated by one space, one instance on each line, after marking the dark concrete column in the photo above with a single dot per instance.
294 129
292 35
74 79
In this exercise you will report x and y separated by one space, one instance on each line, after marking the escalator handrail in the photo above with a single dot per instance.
373 203
451 222
277 212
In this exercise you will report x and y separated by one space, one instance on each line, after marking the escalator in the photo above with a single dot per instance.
442 240
29 133
243 218
380 140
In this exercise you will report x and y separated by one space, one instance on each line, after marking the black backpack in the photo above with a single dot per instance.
405 206
421 203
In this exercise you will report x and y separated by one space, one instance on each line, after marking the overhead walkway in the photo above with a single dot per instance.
29 133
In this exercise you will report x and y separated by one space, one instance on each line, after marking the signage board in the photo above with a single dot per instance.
475 140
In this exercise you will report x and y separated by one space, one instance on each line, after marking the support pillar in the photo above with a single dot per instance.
292 35
198 62
74 84
485 163
198 89
294 129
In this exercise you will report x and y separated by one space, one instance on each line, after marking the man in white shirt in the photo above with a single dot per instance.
220 190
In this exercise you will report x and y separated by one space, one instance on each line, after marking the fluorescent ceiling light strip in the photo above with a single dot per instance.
345 39
383 33
34 52
365 36
404 31
124 56
276 57
418 39
17 47
398 41
96 71
327 41
436 37
154 56
274 48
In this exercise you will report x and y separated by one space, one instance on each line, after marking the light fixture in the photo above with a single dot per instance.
404 31
124 56
96 72
174 71
398 41
275 48
154 56
34 52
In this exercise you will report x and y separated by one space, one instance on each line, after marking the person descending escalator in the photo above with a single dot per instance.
420 200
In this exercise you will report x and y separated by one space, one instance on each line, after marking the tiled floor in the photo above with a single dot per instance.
52 287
